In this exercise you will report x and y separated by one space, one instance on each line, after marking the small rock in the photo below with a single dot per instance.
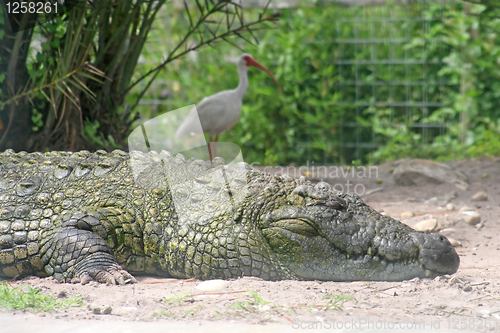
472 218
426 225
107 310
420 172
454 242
448 197
450 206
479 196
96 311
480 225
432 201
405 215
467 288
212 285
447 231
462 187
379 181
467 209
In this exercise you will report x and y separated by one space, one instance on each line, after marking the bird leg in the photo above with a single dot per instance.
210 138
215 146
210 147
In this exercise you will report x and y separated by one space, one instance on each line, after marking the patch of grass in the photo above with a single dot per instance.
257 303
178 298
189 313
163 313
181 298
32 299
335 302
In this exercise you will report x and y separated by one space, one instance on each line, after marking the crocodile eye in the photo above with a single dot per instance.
296 226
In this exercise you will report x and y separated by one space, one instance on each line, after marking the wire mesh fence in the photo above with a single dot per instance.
381 68
386 75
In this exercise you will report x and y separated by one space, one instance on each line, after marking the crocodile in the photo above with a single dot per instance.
82 216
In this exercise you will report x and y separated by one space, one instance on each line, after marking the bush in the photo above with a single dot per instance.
318 117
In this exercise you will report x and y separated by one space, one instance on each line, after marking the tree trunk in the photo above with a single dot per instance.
15 127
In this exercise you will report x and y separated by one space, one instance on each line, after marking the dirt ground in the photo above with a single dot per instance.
469 299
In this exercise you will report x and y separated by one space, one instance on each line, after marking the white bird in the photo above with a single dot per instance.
220 112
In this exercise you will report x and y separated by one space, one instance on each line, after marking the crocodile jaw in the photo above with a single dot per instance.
315 258
348 241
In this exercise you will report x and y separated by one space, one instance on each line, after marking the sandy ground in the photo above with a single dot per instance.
468 300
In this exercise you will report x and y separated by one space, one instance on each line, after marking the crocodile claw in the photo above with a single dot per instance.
112 276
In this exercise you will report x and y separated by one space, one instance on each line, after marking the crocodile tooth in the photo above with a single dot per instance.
428 273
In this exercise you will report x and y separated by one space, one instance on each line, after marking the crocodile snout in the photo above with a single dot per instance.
436 253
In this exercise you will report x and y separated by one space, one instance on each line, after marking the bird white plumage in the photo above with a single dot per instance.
220 112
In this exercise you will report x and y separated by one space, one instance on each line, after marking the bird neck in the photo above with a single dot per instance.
243 85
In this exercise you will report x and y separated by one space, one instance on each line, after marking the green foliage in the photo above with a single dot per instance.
472 42
334 302
85 67
488 144
91 134
32 299
179 301
257 303
302 121
275 126
37 118
178 298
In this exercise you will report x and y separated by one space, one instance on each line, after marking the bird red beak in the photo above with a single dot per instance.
251 62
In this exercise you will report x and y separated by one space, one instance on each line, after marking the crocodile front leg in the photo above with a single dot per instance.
73 249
